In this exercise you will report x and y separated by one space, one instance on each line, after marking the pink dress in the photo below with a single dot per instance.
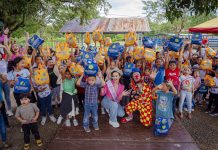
119 91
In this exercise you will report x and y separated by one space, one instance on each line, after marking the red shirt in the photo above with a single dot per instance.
173 75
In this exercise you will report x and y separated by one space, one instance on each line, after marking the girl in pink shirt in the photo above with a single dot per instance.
113 92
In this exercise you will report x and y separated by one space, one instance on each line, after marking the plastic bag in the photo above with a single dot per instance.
99 59
139 53
87 38
62 51
40 75
76 69
206 64
35 41
210 52
97 36
46 51
150 55
196 38
174 54
107 41
71 40
22 85
147 42
175 44
130 39
91 69
27 61
209 81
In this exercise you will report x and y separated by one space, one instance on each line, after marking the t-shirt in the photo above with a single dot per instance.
12 75
27 112
3 66
69 86
53 78
187 82
214 90
45 92
202 72
173 75
164 107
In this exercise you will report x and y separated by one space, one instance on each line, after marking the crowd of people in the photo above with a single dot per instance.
121 87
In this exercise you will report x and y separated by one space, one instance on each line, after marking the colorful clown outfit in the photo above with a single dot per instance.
143 103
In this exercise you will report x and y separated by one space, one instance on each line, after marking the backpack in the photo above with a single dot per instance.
203 89
138 52
22 85
128 68
40 75
130 38
35 41
175 44
91 68
162 126
76 69
62 51
87 38
149 55
97 36
71 40
114 50
147 42
196 39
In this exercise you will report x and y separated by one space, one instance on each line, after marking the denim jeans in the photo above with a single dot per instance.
2 128
6 89
90 108
115 109
45 105
188 96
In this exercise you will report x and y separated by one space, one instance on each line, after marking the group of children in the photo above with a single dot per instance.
122 86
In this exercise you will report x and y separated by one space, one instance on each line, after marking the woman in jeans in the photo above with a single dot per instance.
113 93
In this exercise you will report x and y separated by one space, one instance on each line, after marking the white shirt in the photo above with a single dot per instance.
3 67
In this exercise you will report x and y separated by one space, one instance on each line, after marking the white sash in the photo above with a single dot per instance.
112 90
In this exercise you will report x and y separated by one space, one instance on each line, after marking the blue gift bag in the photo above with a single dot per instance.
203 89
175 44
93 50
114 50
162 126
22 85
128 68
35 41
196 39
91 68
147 42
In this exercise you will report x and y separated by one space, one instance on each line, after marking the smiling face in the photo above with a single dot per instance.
20 65
50 64
172 66
136 76
15 48
91 80
115 76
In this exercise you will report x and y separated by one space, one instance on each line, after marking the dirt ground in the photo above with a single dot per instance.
203 128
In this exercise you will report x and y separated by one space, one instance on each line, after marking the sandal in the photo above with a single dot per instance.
26 146
39 143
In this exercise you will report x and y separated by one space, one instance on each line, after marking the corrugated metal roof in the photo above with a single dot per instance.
108 25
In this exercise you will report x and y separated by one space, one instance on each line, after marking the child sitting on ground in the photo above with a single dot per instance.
91 100
27 113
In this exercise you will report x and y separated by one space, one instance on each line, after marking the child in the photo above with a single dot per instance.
2 123
197 85
91 100
27 113
186 91
69 91
147 78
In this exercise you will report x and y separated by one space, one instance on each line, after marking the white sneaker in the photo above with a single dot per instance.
75 122
10 113
43 121
52 118
185 109
114 124
21 130
77 111
103 111
67 123
60 118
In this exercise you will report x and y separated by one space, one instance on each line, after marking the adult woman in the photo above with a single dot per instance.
114 92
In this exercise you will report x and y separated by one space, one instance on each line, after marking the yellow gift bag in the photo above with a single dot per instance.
174 54
138 52
103 51
149 55
130 39
206 64
87 38
97 36
107 41
99 59
40 75
76 69
71 40
210 52
27 61
62 51
46 51
209 81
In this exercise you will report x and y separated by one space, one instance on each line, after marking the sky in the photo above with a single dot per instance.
124 8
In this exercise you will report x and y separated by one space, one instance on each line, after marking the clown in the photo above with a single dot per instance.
141 100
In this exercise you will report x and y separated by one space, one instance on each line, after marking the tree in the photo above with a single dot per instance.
19 13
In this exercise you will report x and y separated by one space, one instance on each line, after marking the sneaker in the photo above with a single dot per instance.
39 143
52 118
103 111
96 128
207 111
77 111
43 121
60 118
114 124
87 130
10 113
75 122
21 130
185 109
67 123
6 145
126 119
26 146
214 114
